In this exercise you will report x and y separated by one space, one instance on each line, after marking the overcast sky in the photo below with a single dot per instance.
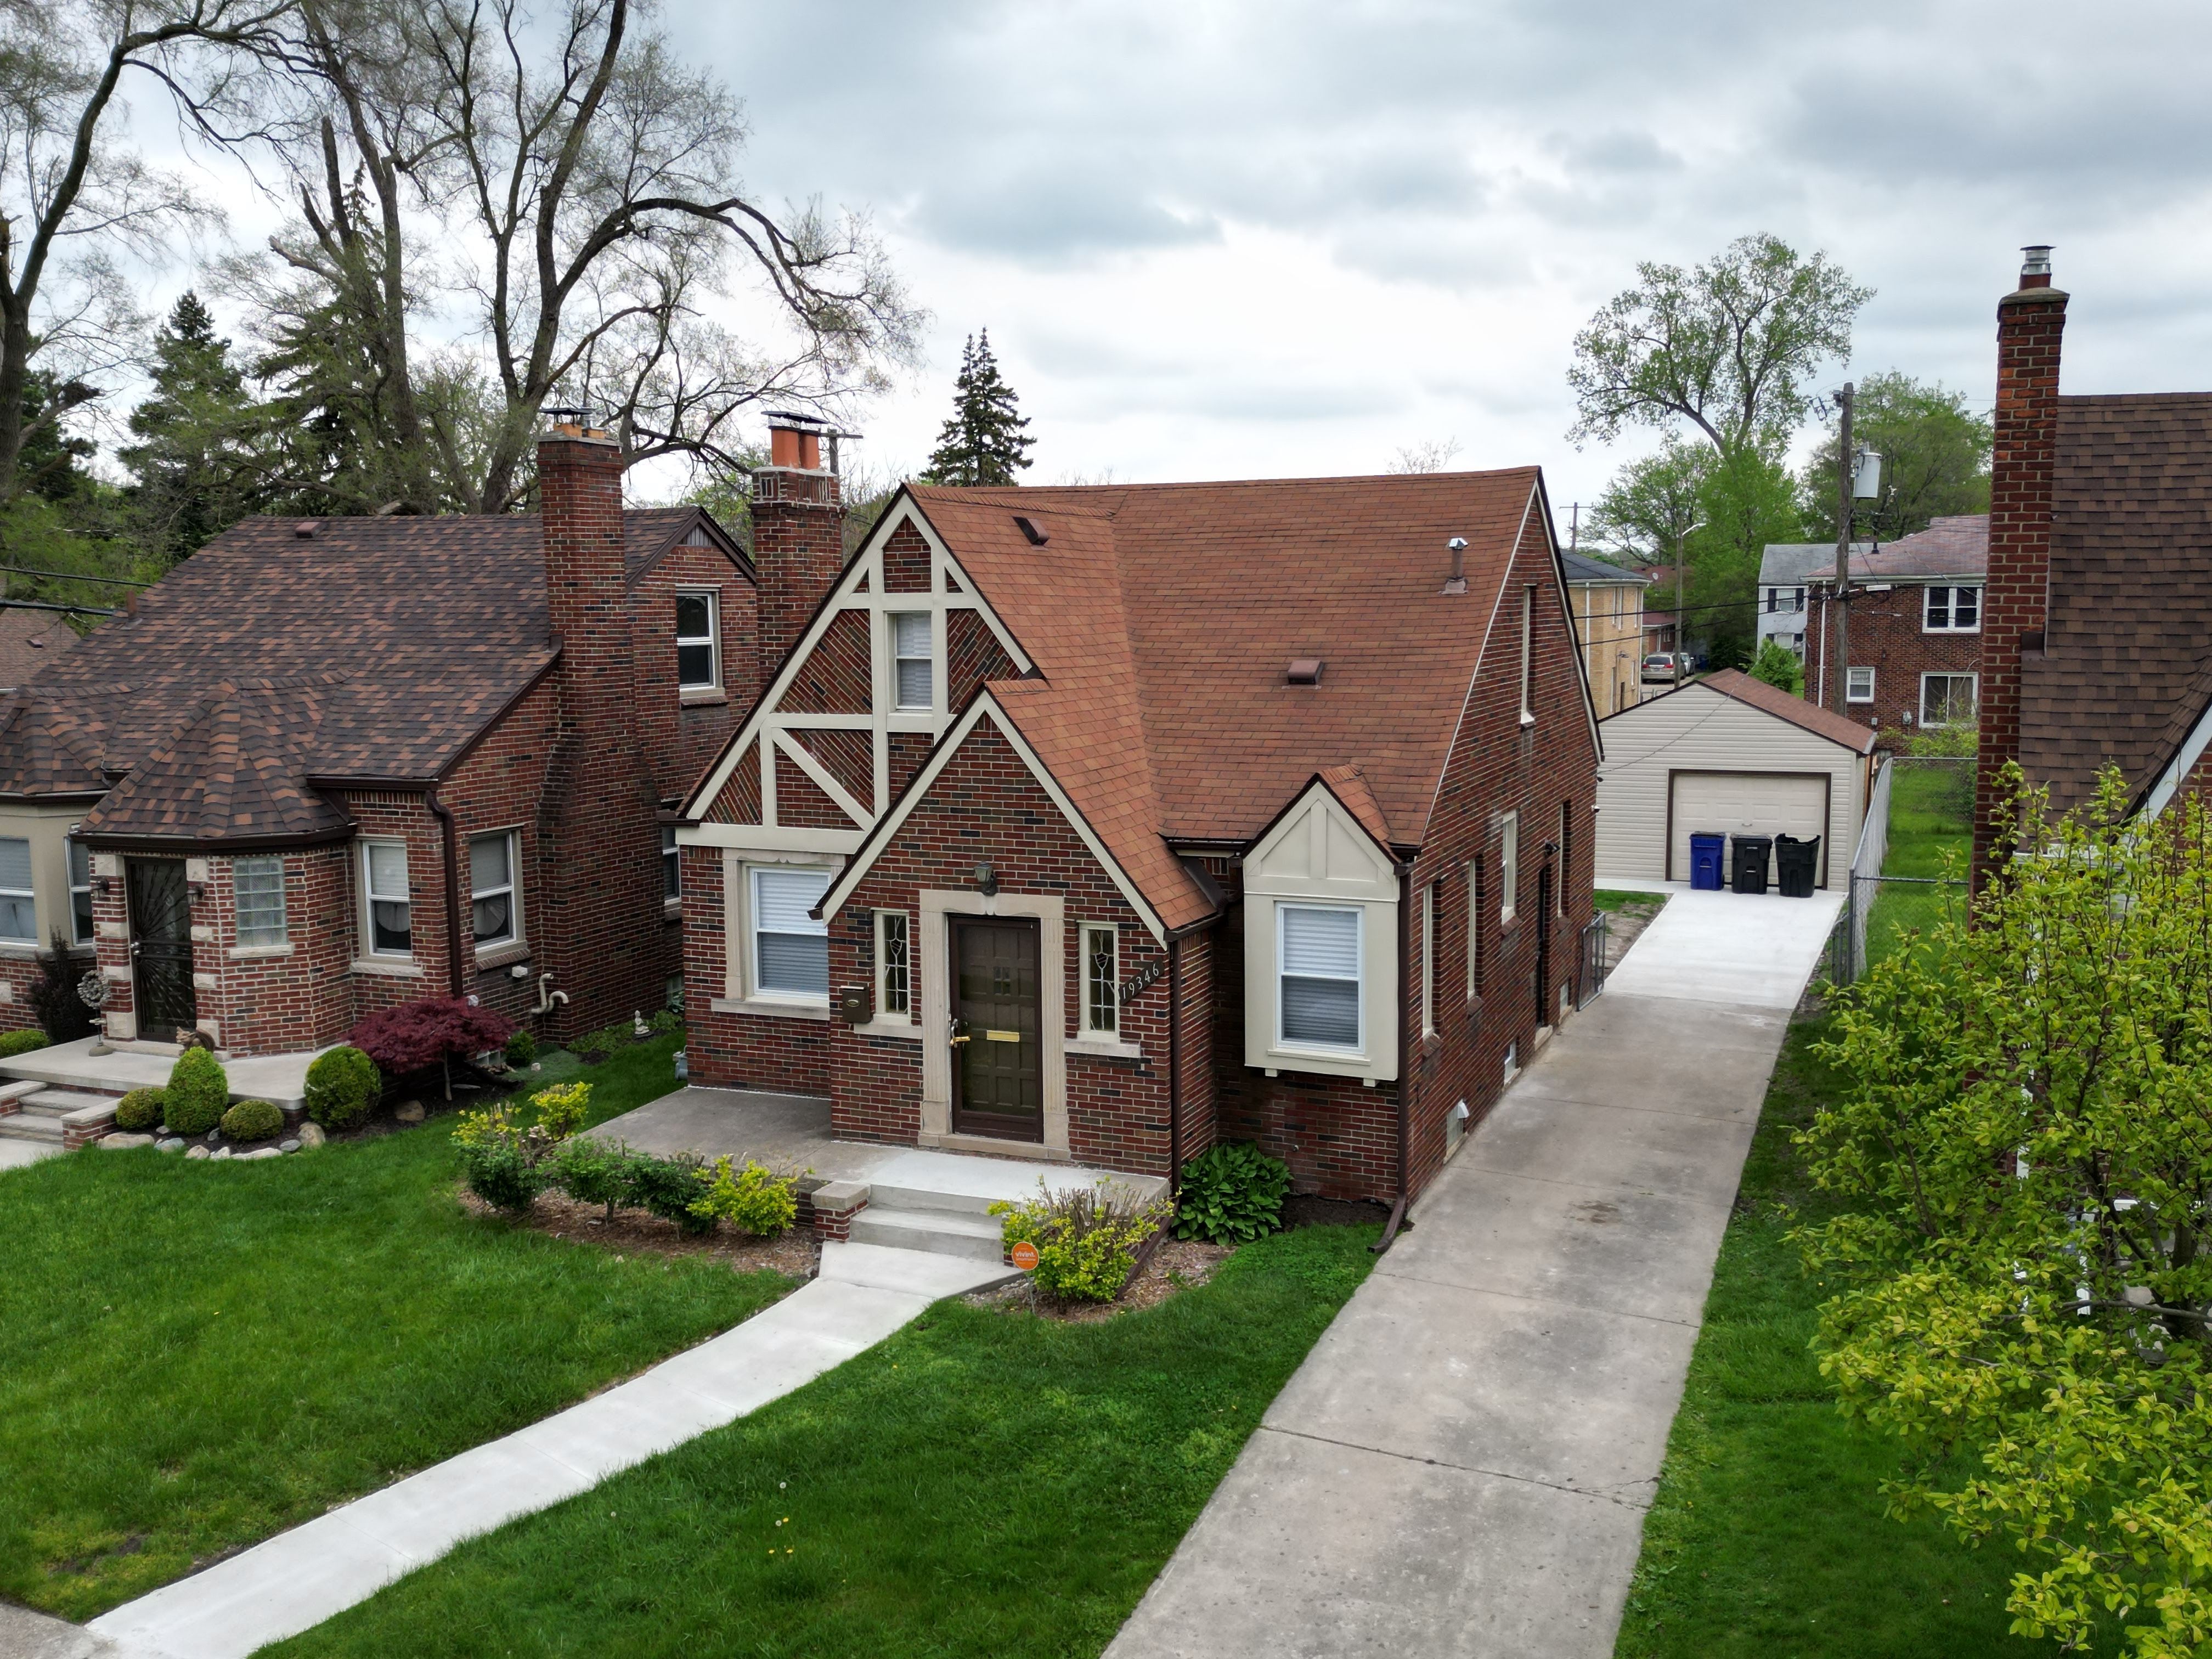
1222 241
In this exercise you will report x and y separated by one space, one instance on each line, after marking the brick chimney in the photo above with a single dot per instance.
799 534
597 926
2016 604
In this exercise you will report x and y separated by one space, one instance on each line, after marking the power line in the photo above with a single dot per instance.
71 576
72 610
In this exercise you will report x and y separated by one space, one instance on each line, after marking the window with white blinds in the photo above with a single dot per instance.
19 917
1318 958
911 655
791 949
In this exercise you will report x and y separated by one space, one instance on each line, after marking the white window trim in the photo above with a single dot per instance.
280 946
1850 694
516 933
1528 654
1334 1051
1508 868
1429 960
368 952
712 639
931 620
755 992
1951 590
70 846
884 1014
1083 935
1946 674
672 858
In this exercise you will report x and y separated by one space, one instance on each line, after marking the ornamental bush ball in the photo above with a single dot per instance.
253 1119
140 1110
197 1094
342 1085
21 1043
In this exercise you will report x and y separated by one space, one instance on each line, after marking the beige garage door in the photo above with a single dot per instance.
1746 804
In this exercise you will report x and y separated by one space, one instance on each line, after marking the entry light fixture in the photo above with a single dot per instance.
987 879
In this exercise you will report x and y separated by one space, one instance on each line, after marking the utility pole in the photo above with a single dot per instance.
1844 482
1574 526
1682 574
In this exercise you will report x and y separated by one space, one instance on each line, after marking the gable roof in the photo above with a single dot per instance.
1581 570
1735 684
1793 562
1956 546
376 650
2126 668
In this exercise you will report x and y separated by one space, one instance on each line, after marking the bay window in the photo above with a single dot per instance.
1318 963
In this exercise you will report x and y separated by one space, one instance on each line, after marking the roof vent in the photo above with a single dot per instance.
1028 526
305 529
1457 582
1303 671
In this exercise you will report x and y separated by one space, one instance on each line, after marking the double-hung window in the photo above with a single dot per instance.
1858 685
1509 867
494 892
385 896
19 912
671 864
791 949
1318 961
259 886
1101 978
1953 611
80 883
698 646
1947 699
894 967
913 664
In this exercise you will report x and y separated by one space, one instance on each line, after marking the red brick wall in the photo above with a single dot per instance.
683 733
2016 604
1888 636
271 1003
734 1050
798 550
836 677
972 655
906 561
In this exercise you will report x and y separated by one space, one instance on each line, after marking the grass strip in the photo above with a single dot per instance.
196 1355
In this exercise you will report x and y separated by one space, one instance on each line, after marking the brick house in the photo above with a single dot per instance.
330 765
1915 630
2100 589
1099 823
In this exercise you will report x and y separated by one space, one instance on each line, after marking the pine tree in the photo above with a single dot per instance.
985 442
188 467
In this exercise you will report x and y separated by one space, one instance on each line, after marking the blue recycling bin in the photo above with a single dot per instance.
1707 855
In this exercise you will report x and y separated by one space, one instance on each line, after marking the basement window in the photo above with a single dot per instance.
1318 964
698 647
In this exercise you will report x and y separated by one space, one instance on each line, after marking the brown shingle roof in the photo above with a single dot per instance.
1955 546
2128 659
29 639
1772 699
375 649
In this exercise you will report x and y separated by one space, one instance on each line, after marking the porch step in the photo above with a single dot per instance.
58 1101
31 1125
939 1231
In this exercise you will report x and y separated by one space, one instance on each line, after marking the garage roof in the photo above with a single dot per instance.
1782 705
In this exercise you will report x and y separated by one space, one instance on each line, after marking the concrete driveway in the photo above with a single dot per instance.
1462 1464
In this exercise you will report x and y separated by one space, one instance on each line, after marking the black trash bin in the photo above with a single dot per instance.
1749 869
1795 863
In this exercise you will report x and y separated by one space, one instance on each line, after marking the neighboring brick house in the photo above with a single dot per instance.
328 765
1915 630
1099 823
1608 602
2097 630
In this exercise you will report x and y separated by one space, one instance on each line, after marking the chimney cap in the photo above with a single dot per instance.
574 421
2035 265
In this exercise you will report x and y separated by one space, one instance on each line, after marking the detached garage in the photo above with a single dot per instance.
1727 755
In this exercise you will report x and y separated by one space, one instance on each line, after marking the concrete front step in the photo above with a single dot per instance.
940 1232
58 1101
32 1126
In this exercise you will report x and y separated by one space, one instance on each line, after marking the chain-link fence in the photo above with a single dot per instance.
1908 871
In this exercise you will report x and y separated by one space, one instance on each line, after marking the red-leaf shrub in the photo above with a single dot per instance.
416 1035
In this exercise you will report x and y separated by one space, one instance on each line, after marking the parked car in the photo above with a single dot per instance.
1660 665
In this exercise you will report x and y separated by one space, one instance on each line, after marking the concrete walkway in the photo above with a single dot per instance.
300 1577
1462 1464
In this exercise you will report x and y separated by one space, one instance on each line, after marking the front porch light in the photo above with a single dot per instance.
987 879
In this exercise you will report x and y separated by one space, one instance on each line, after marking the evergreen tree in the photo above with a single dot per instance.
190 466
985 442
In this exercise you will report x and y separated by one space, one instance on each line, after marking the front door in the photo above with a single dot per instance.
1545 1015
161 949
998 1046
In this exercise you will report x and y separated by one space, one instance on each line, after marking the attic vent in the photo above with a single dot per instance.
1303 671
1028 526
305 529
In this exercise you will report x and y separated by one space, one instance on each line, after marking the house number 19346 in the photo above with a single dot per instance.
1142 981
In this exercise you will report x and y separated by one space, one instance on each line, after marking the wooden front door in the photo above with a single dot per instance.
161 949
998 1039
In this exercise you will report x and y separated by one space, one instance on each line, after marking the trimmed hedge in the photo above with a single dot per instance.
253 1119
21 1043
198 1093
141 1109
342 1085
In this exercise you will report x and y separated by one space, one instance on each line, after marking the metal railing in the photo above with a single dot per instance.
1591 981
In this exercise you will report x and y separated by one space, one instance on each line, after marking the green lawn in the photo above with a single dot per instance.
1932 815
985 1482
195 1355
1607 899
1767 1536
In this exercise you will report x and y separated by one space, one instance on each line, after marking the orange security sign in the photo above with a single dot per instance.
1025 1255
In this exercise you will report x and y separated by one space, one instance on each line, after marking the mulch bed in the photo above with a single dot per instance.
1176 1265
796 1254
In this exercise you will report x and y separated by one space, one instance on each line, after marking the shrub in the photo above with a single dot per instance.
503 1174
61 1012
754 1199
1086 1239
596 1171
21 1043
141 1108
671 1187
197 1094
562 1108
521 1048
1232 1194
435 1032
1779 666
253 1119
596 1046
666 1021
342 1085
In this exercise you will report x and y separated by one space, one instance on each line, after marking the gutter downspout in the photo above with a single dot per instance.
1174 1064
444 814
1406 1053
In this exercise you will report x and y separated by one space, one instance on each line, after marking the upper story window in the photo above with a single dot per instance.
1953 611
19 913
80 883
493 890
1527 653
384 896
1318 965
1101 978
1785 598
894 967
913 661
698 642
258 884
1509 867
791 949
1858 685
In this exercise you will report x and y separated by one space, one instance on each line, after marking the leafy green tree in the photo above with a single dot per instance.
1779 666
985 442
2025 1144
1936 458
190 471
1726 346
